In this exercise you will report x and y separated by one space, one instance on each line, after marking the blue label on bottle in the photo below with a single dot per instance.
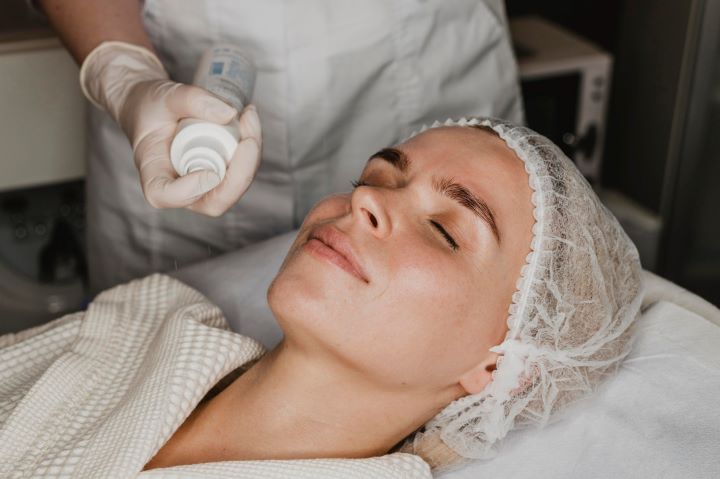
216 68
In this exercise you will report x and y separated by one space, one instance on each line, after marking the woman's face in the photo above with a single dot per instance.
420 307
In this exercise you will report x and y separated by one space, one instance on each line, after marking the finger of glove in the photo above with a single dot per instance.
249 125
240 173
189 101
160 183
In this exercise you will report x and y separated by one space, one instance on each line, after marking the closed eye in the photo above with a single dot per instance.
450 240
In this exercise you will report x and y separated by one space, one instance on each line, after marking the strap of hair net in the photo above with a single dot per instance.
515 356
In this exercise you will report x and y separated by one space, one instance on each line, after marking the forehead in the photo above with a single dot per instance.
460 147
478 158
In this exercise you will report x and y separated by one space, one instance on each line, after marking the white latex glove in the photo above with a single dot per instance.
130 83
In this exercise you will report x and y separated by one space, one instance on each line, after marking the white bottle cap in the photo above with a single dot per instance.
203 145
202 158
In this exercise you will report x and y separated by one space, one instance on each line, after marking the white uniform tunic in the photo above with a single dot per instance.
336 81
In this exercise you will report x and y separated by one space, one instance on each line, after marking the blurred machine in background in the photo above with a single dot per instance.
565 83
42 260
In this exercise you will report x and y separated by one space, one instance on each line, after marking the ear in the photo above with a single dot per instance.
475 379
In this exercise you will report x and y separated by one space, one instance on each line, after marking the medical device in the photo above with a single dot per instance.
201 145
565 84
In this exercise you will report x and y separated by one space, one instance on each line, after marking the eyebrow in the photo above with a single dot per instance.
446 187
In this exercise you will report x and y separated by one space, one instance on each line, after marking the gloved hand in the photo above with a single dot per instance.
130 83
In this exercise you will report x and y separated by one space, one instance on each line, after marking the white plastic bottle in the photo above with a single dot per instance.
228 73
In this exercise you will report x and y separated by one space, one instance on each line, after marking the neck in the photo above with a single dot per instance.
293 406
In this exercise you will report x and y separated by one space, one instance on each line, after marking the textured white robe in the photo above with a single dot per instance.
98 393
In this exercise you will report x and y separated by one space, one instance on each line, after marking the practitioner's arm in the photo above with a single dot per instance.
82 25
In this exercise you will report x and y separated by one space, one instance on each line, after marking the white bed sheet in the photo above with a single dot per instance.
657 418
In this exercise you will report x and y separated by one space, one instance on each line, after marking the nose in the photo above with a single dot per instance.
369 210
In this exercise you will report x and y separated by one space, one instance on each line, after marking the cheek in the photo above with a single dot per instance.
438 318
416 327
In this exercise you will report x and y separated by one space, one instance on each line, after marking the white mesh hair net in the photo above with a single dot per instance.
569 321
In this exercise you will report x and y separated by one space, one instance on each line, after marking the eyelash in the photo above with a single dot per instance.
449 239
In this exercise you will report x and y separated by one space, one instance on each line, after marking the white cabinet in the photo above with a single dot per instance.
42 114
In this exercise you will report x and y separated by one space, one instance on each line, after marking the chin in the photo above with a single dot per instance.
298 294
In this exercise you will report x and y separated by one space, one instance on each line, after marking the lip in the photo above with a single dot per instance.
339 243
